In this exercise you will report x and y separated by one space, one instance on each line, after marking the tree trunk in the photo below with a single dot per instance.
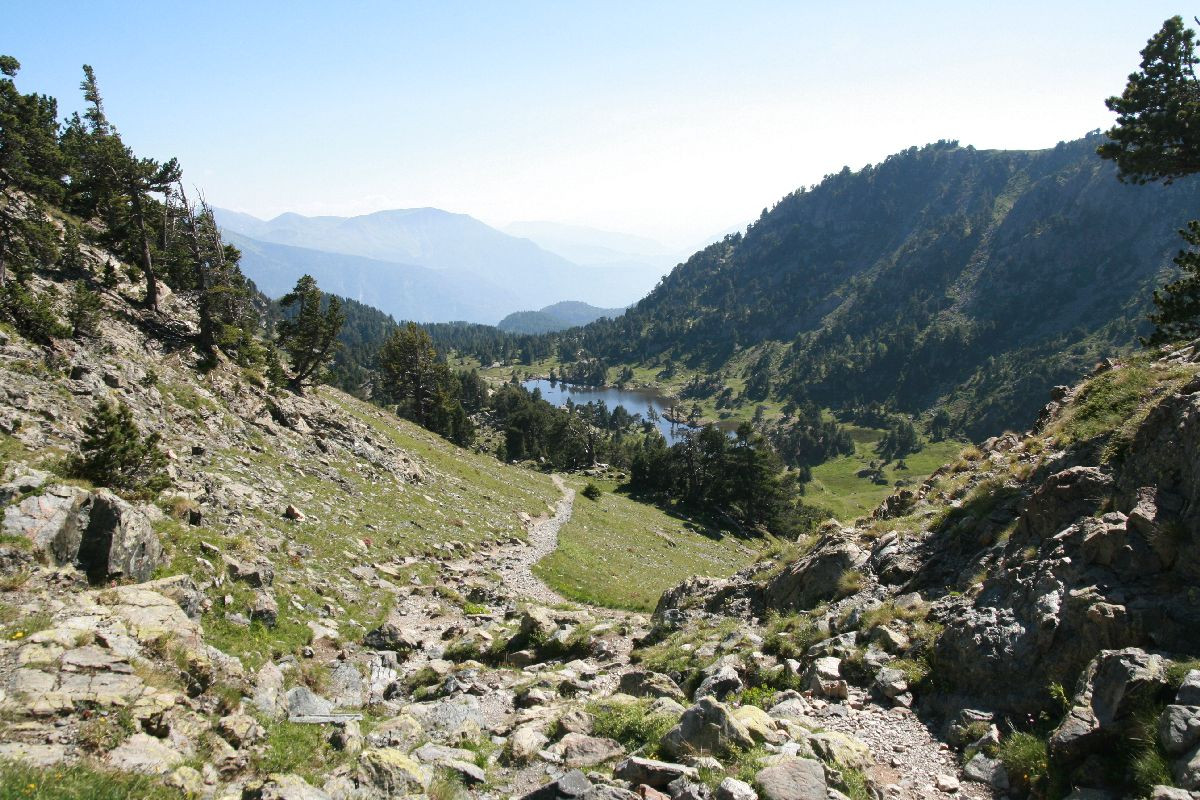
208 339
147 265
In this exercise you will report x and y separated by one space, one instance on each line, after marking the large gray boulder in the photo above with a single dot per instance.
815 577
1179 729
47 520
655 774
705 728
793 779
1116 684
116 540
644 683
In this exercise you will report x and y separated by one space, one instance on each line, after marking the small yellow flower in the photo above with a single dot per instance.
19 635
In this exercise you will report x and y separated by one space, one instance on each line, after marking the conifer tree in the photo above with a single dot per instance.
115 454
309 335
1157 138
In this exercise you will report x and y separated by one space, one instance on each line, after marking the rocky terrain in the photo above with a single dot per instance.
1038 595
329 602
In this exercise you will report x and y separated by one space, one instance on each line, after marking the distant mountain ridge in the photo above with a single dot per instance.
514 273
405 291
557 317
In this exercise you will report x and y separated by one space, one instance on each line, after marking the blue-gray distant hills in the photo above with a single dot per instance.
424 264
557 317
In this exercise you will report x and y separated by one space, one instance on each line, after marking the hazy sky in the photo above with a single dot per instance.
673 120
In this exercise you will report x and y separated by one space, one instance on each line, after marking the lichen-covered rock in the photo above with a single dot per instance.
644 683
391 772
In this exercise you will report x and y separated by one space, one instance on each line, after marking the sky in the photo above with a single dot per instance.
673 120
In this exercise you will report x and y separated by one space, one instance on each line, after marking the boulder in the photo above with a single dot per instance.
793 779
116 540
824 679
644 683
537 627
758 724
524 744
844 751
1189 690
392 773
47 520
145 754
685 789
707 727
576 721
656 774
264 609
346 687
889 683
720 680
390 636
573 784
815 577
581 750
256 575
1179 729
988 771
733 789
1116 684
288 787
240 730
1187 770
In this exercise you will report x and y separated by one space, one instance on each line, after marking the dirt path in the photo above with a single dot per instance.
516 565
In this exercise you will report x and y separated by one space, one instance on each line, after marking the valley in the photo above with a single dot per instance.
891 494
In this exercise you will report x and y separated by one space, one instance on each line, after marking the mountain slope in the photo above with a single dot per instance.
556 317
942 275
440 240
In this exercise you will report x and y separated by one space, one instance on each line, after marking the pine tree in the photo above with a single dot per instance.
308 335
83 313
1157 138
114 453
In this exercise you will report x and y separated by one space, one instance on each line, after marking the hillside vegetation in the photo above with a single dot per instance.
944 276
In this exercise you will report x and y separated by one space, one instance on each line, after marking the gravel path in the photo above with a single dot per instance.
516 566
908 759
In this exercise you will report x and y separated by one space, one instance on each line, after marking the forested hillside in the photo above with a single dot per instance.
944 276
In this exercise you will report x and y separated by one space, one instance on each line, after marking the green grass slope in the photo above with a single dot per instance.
620 553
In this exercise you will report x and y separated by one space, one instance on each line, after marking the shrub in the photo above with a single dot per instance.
631 724
1026 757
114 453
591 492
32 314
83 313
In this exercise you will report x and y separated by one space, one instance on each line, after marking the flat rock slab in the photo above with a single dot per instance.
793 779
